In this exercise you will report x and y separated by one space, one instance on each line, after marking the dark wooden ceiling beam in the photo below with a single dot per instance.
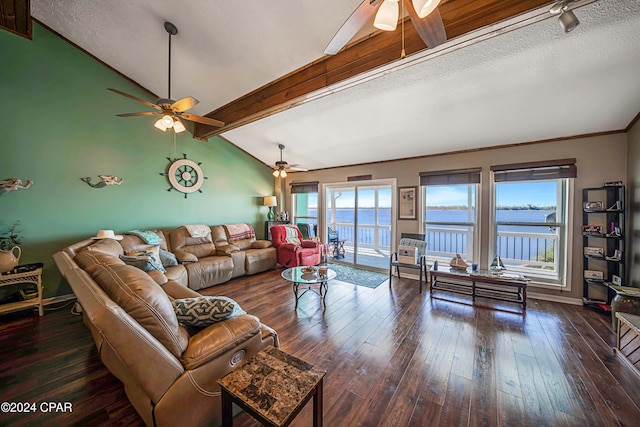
15 17
381 48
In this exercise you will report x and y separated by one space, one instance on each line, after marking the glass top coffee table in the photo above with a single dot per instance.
307 276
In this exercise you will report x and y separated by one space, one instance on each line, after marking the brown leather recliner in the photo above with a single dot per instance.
169 375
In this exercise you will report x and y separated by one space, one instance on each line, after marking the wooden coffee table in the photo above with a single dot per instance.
500 286
273 387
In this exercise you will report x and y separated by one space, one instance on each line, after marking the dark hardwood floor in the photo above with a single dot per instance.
393 358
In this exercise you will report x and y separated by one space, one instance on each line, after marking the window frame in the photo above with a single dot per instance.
566 172
463 177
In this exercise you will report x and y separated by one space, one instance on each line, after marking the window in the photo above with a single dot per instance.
450 213
531 220
305 207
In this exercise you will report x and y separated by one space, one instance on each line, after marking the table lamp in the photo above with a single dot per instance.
271 202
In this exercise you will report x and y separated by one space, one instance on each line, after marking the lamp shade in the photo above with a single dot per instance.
270 201
425 7
160 125
387 16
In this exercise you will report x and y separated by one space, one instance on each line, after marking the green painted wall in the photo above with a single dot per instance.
58 124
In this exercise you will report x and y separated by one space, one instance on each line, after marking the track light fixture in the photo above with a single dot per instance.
568 20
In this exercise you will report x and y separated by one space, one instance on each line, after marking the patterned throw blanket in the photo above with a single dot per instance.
292 234
147 236
239 231
198 230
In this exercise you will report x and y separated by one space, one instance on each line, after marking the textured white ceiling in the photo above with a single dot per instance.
531 84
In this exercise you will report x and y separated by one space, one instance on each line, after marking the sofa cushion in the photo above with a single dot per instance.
209 271
167 258
205 310
259 260
102 253
201 247
142 262
131 242
145 301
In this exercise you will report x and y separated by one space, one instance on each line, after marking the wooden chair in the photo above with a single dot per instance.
411 239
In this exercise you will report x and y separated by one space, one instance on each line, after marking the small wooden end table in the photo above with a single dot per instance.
33 277
273 387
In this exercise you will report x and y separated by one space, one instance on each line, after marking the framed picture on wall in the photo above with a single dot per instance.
407 202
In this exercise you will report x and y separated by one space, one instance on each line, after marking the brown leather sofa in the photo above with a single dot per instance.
168 374
209 260
216 258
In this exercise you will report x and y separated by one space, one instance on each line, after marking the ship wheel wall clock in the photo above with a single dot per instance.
184 175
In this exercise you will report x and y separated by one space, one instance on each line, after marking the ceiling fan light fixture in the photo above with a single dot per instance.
167 121
160 125
276 173
425 7
568 20
178 127
283 173
387 16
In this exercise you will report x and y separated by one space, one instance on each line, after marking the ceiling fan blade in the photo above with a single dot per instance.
157 107
352 25
146 113
430 28
297 168
184 104
203 120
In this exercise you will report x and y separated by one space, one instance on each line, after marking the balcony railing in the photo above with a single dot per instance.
518 249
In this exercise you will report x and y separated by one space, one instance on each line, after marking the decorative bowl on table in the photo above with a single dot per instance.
308 270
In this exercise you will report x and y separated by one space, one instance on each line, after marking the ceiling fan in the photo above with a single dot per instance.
281 167
424 15
172 113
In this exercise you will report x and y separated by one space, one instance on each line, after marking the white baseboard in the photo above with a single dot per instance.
555 298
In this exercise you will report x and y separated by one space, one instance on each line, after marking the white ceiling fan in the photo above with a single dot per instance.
172 113
424 15
281 167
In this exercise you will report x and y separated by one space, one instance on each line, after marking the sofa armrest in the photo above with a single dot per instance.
261 244
218 338
158 276
290 247
226 249
184 256
309 244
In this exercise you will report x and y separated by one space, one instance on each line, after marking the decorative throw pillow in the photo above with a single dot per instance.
168 259
142 262
152 253
291 235
205 310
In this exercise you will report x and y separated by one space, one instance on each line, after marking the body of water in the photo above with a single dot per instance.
451 239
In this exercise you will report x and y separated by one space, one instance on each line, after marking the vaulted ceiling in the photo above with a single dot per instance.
507 74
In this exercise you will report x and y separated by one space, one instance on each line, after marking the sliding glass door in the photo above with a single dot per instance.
358 218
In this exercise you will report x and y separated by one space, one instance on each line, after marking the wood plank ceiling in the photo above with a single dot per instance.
15 17
459 16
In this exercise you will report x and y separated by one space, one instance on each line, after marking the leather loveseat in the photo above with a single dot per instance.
168 373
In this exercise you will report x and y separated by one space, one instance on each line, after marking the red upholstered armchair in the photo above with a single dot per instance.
285 239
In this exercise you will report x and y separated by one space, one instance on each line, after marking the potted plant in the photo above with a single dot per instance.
9 241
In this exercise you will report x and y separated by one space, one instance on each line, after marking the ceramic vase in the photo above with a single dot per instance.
8 260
